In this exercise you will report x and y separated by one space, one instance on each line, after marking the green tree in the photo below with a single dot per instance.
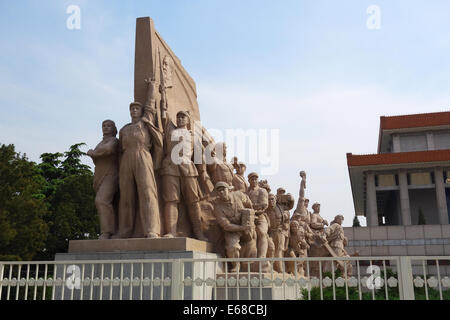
43 206
70 197
356 222
421 217
23 230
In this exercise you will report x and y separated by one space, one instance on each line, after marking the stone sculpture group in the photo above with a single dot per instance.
149 185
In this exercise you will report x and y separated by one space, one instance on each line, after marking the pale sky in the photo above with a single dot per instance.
311 69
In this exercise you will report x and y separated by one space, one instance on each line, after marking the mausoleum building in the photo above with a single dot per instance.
407 182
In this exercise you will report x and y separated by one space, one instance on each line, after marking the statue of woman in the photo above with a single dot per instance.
138 209
106 176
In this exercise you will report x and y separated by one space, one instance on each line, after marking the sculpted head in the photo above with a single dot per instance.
240 168
306 203
303 174
183 119
253 179
166 63
339 219
294 226
136 110
223 190
109 128
272 200
265 185
316 207
281 191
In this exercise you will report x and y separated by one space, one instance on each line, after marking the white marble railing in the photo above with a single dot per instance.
208 279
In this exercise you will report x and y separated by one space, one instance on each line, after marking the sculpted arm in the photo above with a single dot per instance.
301 200
226 224
149 107
149 115
286 221
247 202
263 200
315 224
105 149
304 244
120 148
166 120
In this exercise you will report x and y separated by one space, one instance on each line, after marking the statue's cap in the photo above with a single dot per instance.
186 113
221 184
135 103
252 174
281 190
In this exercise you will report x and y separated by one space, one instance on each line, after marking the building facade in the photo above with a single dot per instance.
407 182
404 191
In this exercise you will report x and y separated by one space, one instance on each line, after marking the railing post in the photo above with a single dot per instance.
405 278
2 270
177 284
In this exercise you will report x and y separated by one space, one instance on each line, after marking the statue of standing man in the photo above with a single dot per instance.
180 175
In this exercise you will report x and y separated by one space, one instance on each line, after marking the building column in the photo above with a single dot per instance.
404 198
440 196
430 141
371 203
396 143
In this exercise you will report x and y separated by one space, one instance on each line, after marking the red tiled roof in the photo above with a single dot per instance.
415 120
397 158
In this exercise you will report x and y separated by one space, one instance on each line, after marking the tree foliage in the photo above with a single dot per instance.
356 222
421 218
23 210
43 206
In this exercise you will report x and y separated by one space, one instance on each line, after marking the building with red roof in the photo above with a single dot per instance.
407 182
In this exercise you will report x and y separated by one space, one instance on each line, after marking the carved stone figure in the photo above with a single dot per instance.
308 232
280 191
206 185
301 212
298 247
337 241
138 208
167 71
260 202
278 231
319 247
180 174
286 201
239 182
270 242
265 185
106 178
234 213
317 223
220 169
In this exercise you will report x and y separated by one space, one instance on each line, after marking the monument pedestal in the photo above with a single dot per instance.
134 269
139 244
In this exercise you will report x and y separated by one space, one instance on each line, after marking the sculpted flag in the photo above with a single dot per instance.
152 54
155 60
